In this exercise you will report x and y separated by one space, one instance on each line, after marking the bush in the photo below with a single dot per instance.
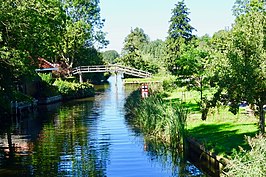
249 163
47 78
71 90
169 84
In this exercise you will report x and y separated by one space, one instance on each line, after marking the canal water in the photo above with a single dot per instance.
85 137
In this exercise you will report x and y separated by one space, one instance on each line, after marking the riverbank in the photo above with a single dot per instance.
222 134
45 90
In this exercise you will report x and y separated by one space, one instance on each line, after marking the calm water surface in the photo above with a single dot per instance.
86 137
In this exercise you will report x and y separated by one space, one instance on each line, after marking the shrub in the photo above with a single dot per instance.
249 163
47 78
170 83
71 90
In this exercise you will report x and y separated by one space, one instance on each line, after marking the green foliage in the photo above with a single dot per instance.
155 49
239 62
249 163
110 56
157 119
53 29
70 90
140 53
152 54
245 6
170 83
131 53
48 78
51 87
179 32
88 56
83 29
179 23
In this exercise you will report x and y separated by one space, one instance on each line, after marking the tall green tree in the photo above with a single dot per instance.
247 62
110 56
241 65
83 28
131 52
29 29
179 32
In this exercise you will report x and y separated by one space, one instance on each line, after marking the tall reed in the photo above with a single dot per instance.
157 118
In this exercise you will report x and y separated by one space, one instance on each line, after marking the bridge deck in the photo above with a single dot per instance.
110 68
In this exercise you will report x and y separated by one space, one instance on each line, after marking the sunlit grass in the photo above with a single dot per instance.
222 132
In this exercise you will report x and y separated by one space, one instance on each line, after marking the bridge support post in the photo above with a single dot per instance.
80 78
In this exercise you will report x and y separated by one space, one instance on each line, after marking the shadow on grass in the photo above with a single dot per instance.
191 106
222 138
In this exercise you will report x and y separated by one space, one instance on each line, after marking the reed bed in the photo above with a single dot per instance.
157 118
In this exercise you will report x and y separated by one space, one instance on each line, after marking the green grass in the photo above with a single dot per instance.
222 132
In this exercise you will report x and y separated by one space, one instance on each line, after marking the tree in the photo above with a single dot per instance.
180 31
247 62
242 67
152 54
53 29
83 28
131 53
29 29
109 56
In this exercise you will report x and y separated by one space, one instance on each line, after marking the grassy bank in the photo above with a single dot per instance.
222 132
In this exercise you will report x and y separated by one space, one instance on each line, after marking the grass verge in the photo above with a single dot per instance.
222 132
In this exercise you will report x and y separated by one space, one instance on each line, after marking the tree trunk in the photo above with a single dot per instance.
262 119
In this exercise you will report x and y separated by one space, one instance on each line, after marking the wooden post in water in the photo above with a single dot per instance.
116 78
80 77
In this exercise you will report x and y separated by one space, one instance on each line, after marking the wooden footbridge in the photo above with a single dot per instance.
110 68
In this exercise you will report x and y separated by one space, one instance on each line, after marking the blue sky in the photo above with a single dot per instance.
207 16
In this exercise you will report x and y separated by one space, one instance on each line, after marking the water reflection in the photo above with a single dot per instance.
61 141
86 137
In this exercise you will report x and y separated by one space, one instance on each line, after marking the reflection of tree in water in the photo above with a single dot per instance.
15 146
70 146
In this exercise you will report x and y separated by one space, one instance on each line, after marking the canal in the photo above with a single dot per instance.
85 137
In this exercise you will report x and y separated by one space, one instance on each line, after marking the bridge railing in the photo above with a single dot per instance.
133 71
110 68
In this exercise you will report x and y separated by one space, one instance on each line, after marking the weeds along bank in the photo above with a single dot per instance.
249 163
69 89
157 119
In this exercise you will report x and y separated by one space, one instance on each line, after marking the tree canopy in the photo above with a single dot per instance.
54 30
179 32
239 58
110 56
